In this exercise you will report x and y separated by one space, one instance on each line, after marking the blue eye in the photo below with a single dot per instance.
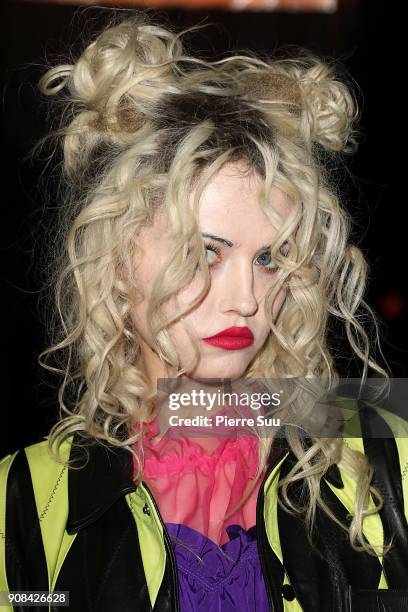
213 256
265 260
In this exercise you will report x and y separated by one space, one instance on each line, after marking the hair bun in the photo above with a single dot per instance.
329 109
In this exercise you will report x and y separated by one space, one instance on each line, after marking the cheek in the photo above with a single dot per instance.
200 315
145 272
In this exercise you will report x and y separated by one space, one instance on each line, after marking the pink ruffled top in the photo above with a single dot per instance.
195 481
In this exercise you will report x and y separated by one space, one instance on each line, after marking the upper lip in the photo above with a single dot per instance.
234 332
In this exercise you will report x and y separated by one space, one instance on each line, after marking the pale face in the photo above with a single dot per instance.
241 273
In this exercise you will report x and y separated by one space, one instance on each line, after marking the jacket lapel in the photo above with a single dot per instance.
321 570
97 483
104 569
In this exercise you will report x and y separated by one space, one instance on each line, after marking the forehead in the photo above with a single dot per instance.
229 202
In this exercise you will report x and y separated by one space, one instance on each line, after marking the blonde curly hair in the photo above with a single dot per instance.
142 123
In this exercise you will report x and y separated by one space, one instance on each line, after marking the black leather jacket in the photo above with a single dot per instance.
103 570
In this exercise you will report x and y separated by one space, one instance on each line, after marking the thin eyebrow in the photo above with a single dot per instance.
218 239
230 244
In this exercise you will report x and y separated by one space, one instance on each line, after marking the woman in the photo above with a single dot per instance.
205 241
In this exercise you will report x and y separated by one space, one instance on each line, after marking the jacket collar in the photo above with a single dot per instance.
108 475
103 479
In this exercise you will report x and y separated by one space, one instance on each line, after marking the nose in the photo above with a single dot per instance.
237 290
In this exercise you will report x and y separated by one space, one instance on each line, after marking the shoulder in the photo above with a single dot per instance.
377 425
373 422
33 464
382 436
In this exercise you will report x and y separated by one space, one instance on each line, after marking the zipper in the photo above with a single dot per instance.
170 551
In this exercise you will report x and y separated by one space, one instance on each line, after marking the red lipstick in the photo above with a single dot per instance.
232 338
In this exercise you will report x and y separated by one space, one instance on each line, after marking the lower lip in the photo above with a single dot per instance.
230 343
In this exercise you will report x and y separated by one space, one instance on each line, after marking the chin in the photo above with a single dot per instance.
214 370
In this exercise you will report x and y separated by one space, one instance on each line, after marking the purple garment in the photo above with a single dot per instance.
218 583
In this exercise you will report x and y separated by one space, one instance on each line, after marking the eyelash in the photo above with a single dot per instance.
216 249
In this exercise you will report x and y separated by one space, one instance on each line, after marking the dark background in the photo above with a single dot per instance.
361 34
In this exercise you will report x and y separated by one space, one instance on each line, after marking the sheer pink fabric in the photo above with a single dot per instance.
195 481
